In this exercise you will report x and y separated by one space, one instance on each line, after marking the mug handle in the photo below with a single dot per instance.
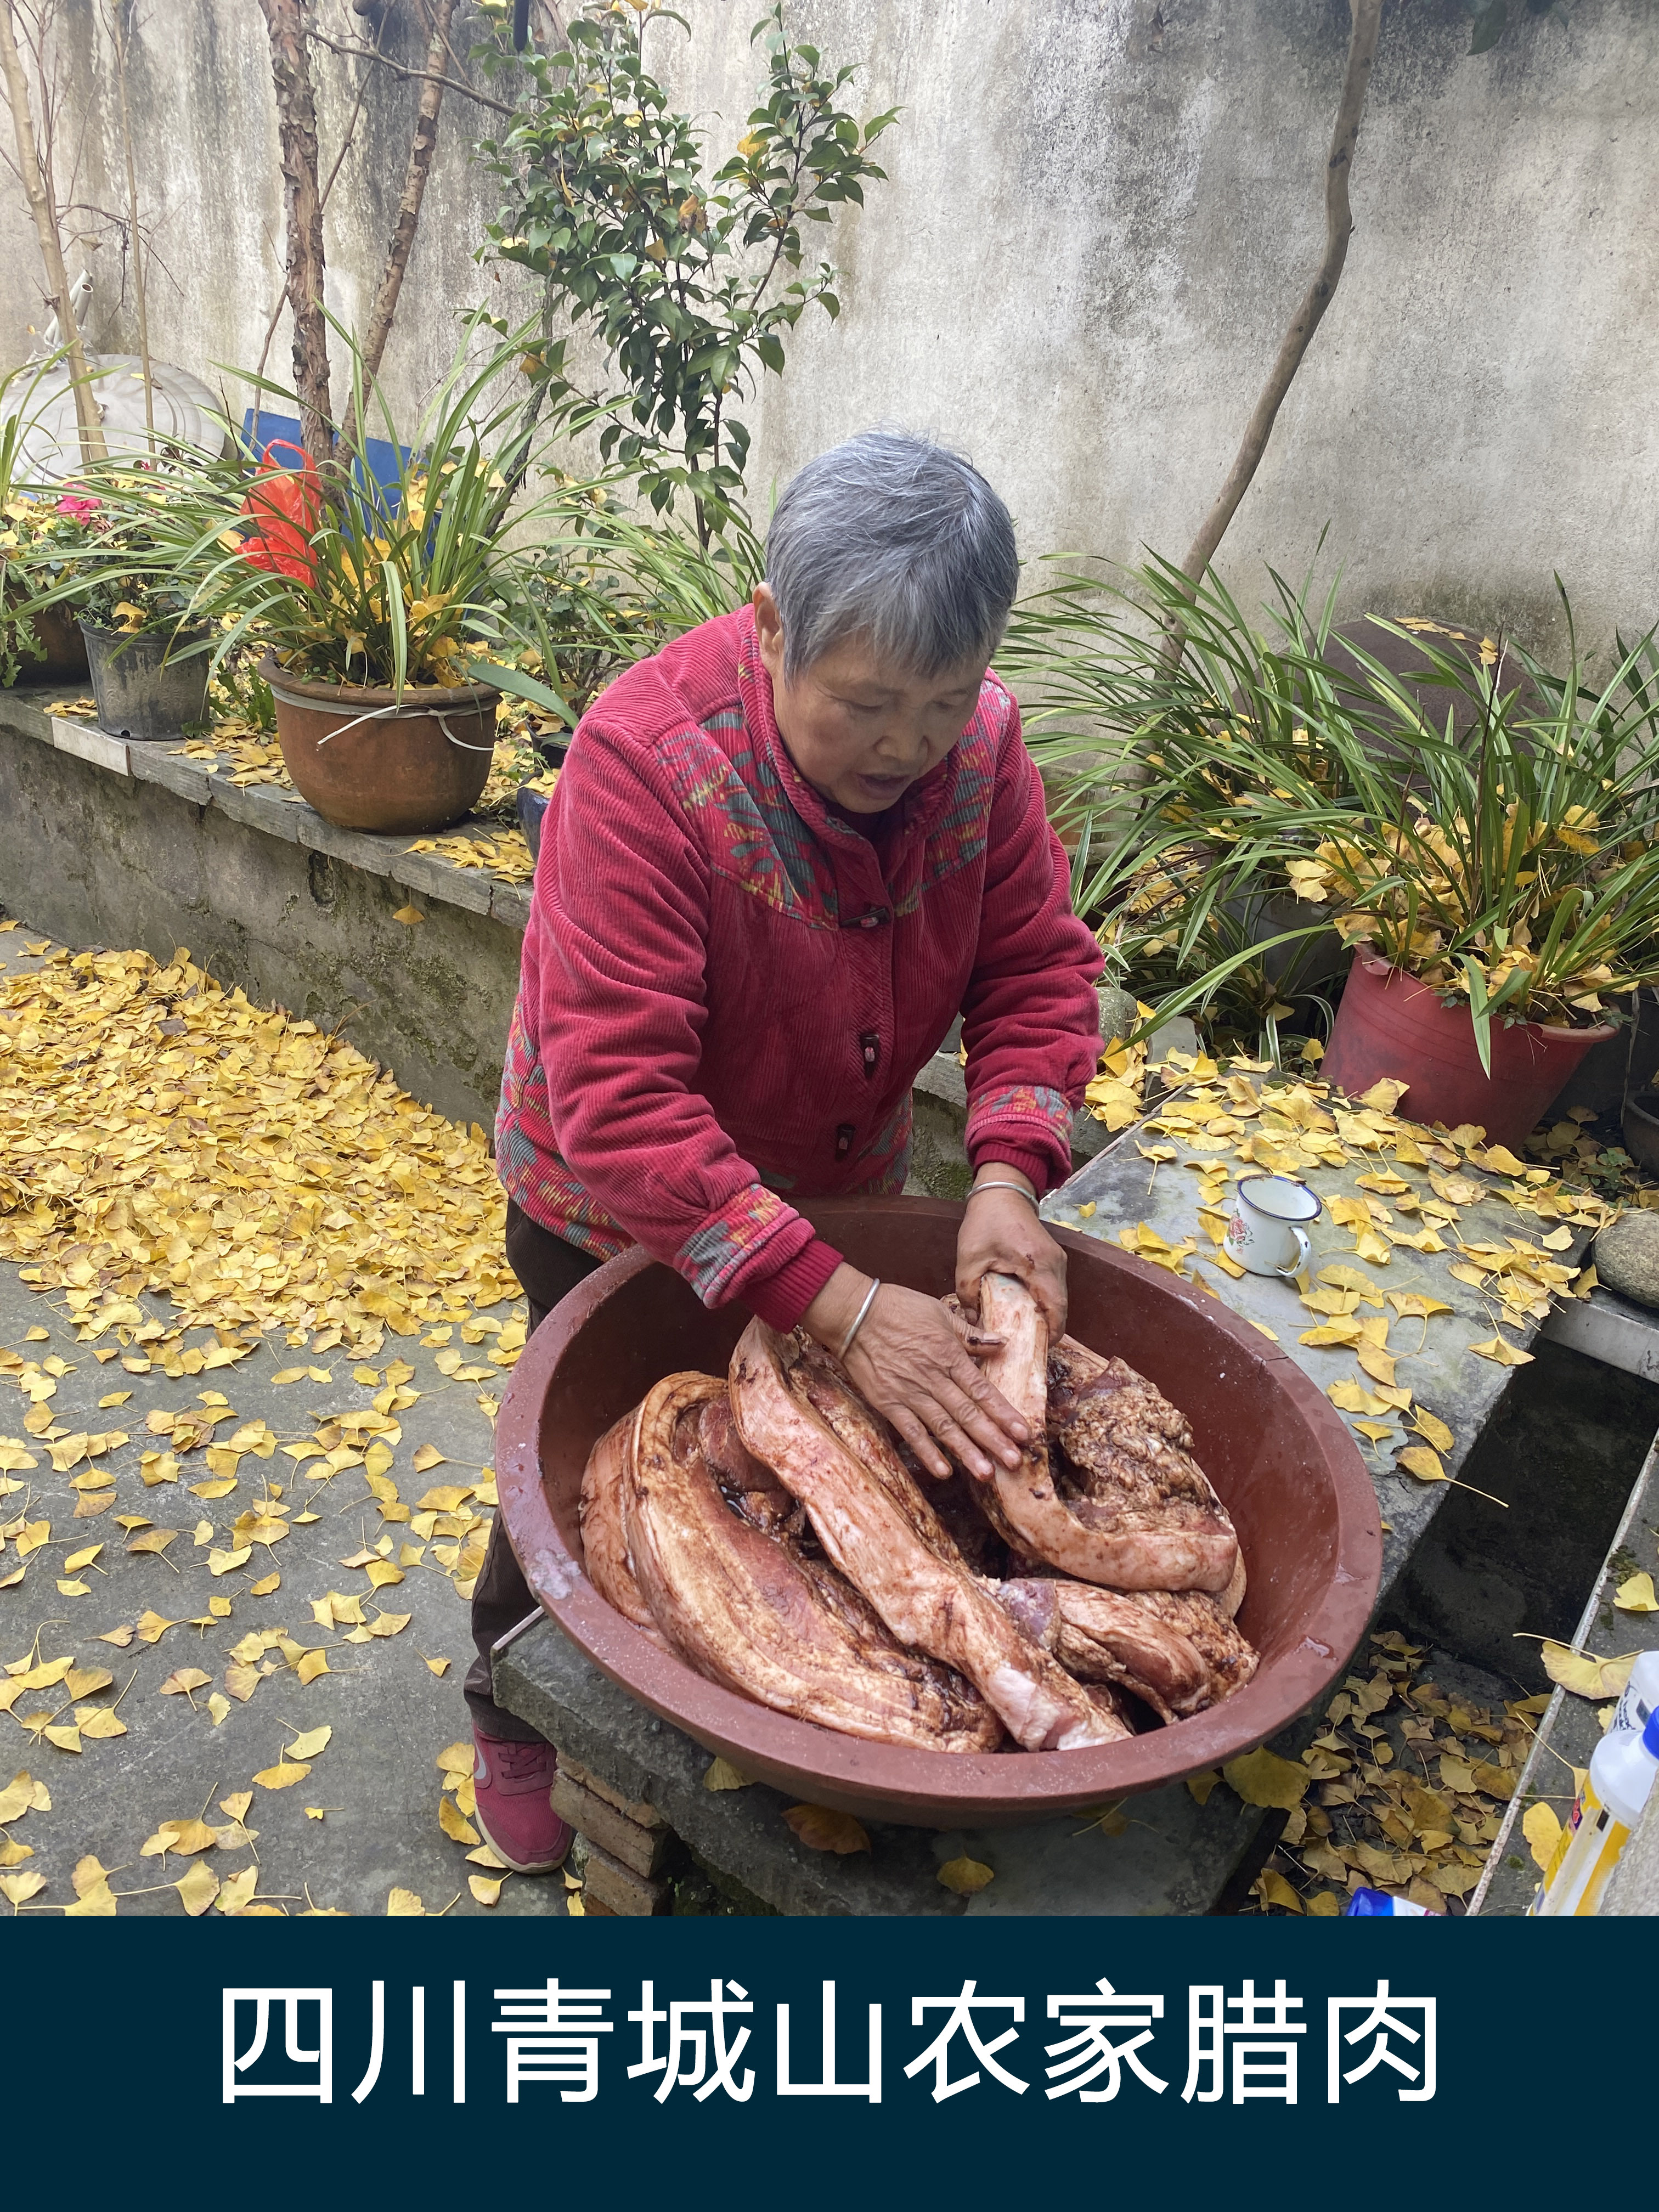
1303 1254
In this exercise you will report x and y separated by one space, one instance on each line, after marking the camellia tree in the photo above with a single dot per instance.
690 280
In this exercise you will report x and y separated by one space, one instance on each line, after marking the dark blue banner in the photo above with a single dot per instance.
816 2060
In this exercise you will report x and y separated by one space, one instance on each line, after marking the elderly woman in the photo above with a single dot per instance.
783 853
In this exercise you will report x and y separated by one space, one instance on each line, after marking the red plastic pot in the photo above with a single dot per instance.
1391 1025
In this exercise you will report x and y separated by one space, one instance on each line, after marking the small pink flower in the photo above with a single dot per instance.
77 508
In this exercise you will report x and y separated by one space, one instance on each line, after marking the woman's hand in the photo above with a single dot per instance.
1001 1235
911 1361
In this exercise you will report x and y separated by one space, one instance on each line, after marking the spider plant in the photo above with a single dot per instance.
1506 854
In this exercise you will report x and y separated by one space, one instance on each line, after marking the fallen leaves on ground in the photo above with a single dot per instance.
1585 1676
360 1210
722 1775
1261 1777
822 1830
505 854
966 1876
1405 1790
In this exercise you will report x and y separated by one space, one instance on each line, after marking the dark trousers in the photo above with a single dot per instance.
549 1268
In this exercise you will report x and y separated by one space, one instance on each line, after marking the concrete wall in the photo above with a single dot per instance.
1095 232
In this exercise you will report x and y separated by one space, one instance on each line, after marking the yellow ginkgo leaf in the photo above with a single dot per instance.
409 915
1418 1460
428 1455
1376 1363
310 1665
1499 1350
237 1892
311 1745
1433 1429
1261 1777
1542 1830
966 1876
404 1903
199 1887
722 1775
455 1825
822 1830
282 1777
1584 1675
483 1889
1636 1594
1272 1889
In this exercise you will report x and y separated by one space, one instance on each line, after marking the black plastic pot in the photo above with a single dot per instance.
144 690
532 806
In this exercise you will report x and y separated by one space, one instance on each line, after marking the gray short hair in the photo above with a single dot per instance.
896 540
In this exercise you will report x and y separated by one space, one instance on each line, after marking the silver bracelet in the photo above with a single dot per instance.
1019 1187
859 1319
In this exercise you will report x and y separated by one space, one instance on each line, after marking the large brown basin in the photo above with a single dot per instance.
1281 1458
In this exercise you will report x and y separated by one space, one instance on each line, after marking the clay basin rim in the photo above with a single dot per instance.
1277 1451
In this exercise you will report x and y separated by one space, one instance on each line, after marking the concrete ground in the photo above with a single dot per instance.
375 1784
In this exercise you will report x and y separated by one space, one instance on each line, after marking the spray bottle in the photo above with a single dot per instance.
1607 1808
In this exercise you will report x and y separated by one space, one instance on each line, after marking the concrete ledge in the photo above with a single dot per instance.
1611 1329
107 842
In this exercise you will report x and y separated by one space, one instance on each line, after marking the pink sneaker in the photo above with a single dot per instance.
513 1784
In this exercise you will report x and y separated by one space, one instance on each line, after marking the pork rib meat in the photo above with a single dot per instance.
736 1603
1179 1653
1122 1457
795 1412
605 1539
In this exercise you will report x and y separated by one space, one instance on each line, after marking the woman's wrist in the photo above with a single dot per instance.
835 1308
999 1174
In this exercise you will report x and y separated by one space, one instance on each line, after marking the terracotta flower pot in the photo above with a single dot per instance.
1391 1025
62 655
367 760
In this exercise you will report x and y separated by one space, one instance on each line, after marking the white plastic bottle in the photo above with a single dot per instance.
1641 1695
1621 1775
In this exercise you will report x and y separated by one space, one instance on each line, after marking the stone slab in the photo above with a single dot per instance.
257 806
187 779
1570 1729
438 878
372 856
1122 1188
1173 1856
87 741
1611 1329
509 904
1634 1890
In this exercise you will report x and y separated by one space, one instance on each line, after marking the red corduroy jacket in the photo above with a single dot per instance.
726 993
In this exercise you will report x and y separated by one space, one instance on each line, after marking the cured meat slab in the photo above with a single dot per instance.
796 1412
737 1604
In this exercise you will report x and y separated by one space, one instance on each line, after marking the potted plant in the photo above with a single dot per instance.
1490 850
45 648
390 617
98 551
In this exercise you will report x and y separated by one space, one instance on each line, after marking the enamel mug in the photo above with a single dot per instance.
1266 1235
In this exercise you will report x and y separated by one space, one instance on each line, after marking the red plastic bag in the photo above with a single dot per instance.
284 506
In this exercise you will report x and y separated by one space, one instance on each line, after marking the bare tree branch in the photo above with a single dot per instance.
399 69
415 178
302 207
38 188
1366 15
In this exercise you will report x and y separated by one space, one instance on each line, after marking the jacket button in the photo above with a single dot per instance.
844 1136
